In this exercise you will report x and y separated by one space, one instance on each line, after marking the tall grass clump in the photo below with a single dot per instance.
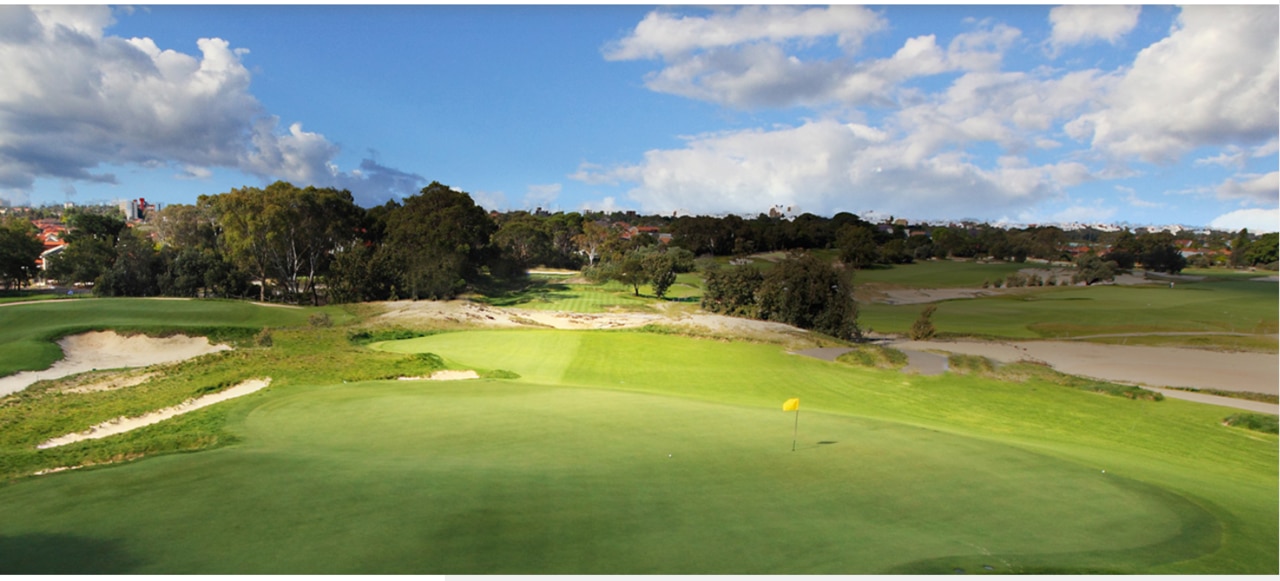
877 356
1256 422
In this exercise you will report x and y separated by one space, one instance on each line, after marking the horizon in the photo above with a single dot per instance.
1148 116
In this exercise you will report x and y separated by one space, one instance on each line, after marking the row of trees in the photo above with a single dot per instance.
313 245
286 243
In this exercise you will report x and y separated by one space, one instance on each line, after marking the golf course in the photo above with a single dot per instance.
593 446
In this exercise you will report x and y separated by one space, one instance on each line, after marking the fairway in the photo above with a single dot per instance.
626 452
1052 312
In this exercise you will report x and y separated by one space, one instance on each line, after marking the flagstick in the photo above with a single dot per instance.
796 431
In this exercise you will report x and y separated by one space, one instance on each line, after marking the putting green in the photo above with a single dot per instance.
504 477
630 452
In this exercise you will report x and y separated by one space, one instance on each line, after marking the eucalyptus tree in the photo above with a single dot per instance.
439 240
19 249
285 234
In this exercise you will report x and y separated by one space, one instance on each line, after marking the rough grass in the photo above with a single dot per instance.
28 333
1257 422
877 356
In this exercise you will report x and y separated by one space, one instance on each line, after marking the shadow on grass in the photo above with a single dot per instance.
534 291
1200 534
59 554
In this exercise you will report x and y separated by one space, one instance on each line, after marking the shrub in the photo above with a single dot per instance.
967 364
874 356
320 320
263 338
367 336
923 327
1256 422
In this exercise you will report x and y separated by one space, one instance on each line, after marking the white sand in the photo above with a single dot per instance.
108 350
122 425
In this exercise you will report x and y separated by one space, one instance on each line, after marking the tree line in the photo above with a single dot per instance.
315 245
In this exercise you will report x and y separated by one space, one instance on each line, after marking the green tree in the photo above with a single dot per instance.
1159 252
660 270
1264 250
438 241
857 247
629 271
1124 250
91 241
523 239
732 291
592 239
1090 269
19 249
285 235
135 269
1240 246
811 294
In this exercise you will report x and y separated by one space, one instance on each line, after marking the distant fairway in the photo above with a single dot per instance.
1205 307
629 452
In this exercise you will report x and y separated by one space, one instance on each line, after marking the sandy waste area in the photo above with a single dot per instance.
476 314
108 350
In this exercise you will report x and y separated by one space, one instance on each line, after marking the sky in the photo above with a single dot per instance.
1151 115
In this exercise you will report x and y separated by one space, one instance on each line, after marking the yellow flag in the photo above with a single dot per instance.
791 405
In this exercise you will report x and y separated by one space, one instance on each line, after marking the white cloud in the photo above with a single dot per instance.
751 57
541 196
1084 24
668 35
1263 190
1097 213
1214 80
1233 157
489 200
74 99
1131 196
1257 220
608 204
190 172
826 166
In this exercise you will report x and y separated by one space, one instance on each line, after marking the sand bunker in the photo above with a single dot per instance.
108 350
122 425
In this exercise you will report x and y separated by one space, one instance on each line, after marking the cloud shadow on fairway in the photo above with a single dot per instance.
59 554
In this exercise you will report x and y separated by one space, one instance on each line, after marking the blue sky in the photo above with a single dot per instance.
1025 114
